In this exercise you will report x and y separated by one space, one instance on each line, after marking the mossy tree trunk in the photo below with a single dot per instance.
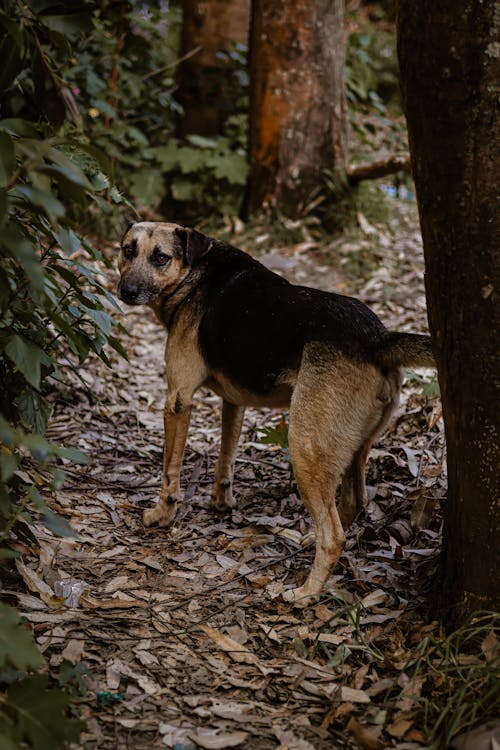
449 59
206 84
297 106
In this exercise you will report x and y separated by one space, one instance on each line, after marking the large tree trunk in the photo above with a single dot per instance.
449 58
297 105
207 87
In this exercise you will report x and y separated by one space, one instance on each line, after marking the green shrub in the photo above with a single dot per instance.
54 312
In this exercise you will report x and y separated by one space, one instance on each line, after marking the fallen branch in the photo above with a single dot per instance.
395 163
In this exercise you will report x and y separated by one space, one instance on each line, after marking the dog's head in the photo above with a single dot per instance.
155 257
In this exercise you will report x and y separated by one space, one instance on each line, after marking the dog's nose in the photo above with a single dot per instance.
129 292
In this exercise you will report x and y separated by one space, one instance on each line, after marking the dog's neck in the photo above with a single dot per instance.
167 304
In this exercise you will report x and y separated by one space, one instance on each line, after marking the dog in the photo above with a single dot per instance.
257 340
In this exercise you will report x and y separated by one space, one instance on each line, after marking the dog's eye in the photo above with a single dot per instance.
130 251
161 259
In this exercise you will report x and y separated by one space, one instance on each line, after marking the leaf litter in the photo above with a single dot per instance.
185 626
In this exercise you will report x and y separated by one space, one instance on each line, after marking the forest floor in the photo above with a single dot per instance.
183 631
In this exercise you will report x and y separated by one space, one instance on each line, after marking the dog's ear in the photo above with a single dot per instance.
130 224
194 244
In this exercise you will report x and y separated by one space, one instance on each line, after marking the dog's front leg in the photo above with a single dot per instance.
176 416
232 420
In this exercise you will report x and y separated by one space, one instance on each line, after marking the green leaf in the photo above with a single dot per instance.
39 447
147 187
17 648
64 175
41 714
201 141
3 208
48 202
168 156
70 25
23 251
26 357
67 239
34 410
18 126
8 463
57 524
72 454
232 166
101 319
7 158
191 159
431 389
11 56
7 743
183 189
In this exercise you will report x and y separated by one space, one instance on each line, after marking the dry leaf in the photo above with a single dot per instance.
213 739
121 602
399 727
73 650
38 585
367 738
235 650
346 694
422 510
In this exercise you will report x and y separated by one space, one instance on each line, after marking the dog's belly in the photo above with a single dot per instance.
278 397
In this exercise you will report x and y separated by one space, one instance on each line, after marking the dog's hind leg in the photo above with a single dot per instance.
317 474
319 454
353 491
333 408
232 420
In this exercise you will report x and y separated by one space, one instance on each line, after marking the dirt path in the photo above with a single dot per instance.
183 630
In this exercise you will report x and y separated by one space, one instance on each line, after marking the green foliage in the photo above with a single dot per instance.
54 312
133 120
371 71
275 434
430 385
466 664
207 171
33 713
17 648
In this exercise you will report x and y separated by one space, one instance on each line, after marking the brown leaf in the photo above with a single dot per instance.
399 727
367 738
422 510
213 739
232 648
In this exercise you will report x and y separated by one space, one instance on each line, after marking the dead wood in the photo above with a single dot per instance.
373 171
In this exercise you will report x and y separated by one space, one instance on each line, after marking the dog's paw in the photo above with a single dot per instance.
222 496
300 597
162 514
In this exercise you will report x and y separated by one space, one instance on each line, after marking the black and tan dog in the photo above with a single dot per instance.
257 340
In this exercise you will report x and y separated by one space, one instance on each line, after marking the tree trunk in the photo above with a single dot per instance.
449 59
297 106
207 87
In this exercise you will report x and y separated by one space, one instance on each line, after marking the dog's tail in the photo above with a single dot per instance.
404 350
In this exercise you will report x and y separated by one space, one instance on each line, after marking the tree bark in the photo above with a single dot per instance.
298 120
449 59
206 85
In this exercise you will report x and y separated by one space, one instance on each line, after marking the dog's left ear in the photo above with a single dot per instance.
194 244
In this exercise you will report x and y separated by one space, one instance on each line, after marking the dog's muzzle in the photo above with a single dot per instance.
133 294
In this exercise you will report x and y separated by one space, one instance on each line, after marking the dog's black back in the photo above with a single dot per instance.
264 321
